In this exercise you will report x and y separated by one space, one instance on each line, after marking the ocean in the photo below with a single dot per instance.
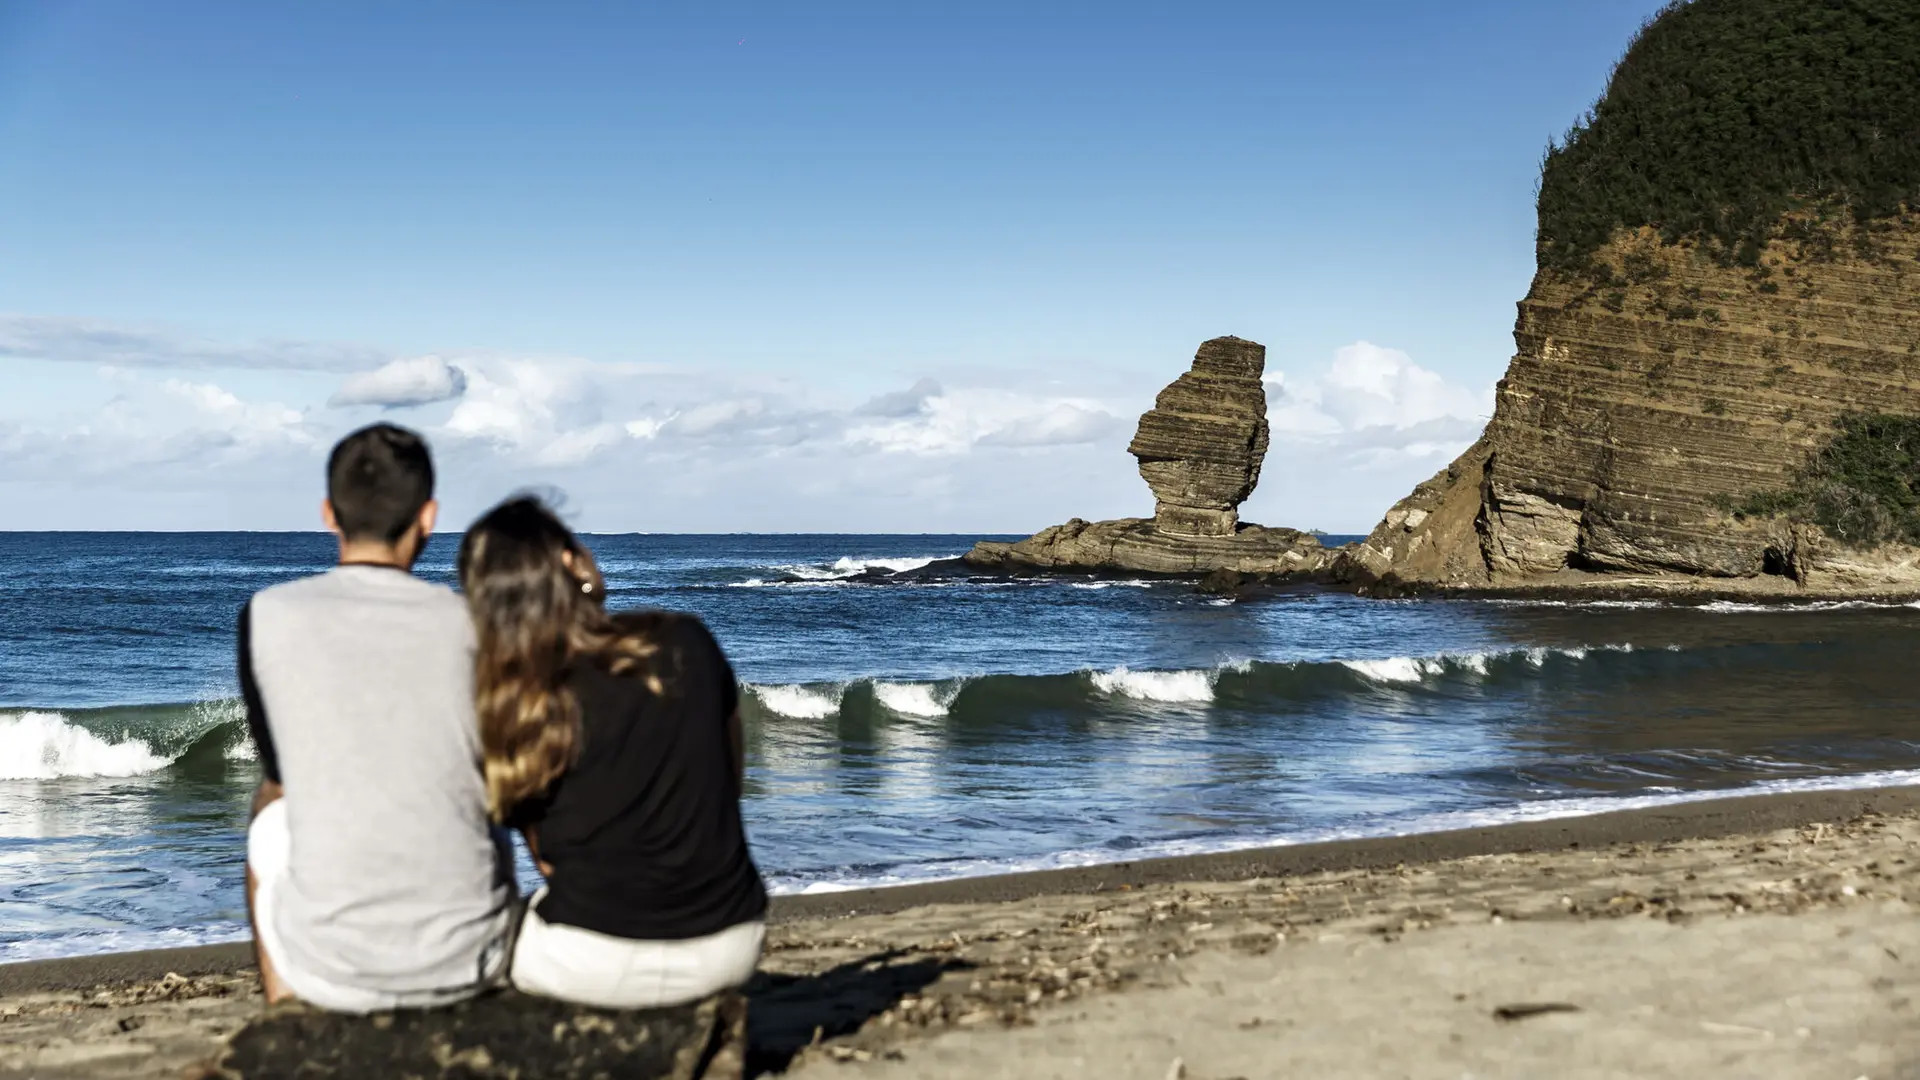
911 720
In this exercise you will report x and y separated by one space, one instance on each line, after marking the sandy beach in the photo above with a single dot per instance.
1771 936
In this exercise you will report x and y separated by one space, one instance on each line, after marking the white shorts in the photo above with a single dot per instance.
269 851
589 968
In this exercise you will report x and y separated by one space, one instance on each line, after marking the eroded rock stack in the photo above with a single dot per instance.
1200 449
1201 445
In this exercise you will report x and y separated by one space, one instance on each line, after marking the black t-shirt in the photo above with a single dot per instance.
644 832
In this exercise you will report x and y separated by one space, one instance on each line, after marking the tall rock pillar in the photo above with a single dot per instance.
1201 444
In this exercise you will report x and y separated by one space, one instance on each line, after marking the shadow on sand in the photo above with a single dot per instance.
786 1013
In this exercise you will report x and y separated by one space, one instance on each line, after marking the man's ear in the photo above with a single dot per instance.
429 514
328 519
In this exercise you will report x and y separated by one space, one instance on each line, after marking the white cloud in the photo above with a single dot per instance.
523 405
716 417
1376 402
909 402
954 422
96 341
158 428
418 380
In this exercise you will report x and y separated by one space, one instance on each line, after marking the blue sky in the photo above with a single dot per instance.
778 267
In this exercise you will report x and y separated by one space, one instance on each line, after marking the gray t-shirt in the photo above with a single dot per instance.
359 690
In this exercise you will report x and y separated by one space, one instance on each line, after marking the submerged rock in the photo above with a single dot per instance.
506 1035
1199 449
1136 545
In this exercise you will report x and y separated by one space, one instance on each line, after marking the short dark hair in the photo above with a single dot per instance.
378 478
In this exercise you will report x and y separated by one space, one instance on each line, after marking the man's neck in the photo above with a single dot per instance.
361 553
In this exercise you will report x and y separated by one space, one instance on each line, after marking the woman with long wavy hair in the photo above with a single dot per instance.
613 742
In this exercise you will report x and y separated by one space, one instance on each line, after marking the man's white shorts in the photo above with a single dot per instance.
269 848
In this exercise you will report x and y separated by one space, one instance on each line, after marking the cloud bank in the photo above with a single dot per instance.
679 449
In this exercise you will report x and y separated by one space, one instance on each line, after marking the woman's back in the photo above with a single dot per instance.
643 831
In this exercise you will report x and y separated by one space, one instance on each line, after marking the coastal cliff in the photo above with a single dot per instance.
1199 449
1715 381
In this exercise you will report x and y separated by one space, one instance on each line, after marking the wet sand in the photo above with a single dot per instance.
1767 936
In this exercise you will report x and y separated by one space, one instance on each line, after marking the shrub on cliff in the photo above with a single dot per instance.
1863 487
1726 114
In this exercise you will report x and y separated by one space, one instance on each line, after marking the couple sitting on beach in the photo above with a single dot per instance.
401 730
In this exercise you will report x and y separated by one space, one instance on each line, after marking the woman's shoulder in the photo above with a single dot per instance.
680 635
661 624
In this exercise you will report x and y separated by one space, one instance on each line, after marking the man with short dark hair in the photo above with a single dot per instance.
374 879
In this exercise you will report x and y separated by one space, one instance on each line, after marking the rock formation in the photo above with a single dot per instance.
1633 422
504 1035
1702 327
1200 449
1201 444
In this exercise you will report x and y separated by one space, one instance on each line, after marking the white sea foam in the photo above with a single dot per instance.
1173 687
1112 585
847 566
1396 669
799 702
47 746
1715 607
1413 669
94 942
1537 810
915 699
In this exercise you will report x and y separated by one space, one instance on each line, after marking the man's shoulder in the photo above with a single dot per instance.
359 584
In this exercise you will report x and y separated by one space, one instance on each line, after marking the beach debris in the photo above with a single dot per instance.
1177 1070
1714 1027
1529 1010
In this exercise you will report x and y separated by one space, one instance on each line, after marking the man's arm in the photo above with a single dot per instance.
265 795
256 709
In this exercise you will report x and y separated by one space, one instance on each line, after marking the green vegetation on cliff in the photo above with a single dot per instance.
1724 115
1863 487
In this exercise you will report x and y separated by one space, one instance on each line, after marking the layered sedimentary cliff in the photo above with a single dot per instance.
1716 377
1645 407
1199 448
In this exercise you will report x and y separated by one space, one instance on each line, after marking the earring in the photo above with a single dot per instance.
586 586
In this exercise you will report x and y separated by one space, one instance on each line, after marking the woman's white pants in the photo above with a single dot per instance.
572 964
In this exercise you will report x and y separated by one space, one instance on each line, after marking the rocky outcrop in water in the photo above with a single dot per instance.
1201 444
1199 449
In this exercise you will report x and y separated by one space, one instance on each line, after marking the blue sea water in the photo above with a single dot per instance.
911 720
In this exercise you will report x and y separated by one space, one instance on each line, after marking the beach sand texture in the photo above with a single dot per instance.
1792 952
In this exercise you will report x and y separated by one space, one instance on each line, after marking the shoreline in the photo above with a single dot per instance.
1702 819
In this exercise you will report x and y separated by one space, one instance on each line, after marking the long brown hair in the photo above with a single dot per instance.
538 607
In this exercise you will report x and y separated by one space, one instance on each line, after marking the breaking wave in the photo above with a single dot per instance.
1163 686
41 744
1249 685
1413 669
